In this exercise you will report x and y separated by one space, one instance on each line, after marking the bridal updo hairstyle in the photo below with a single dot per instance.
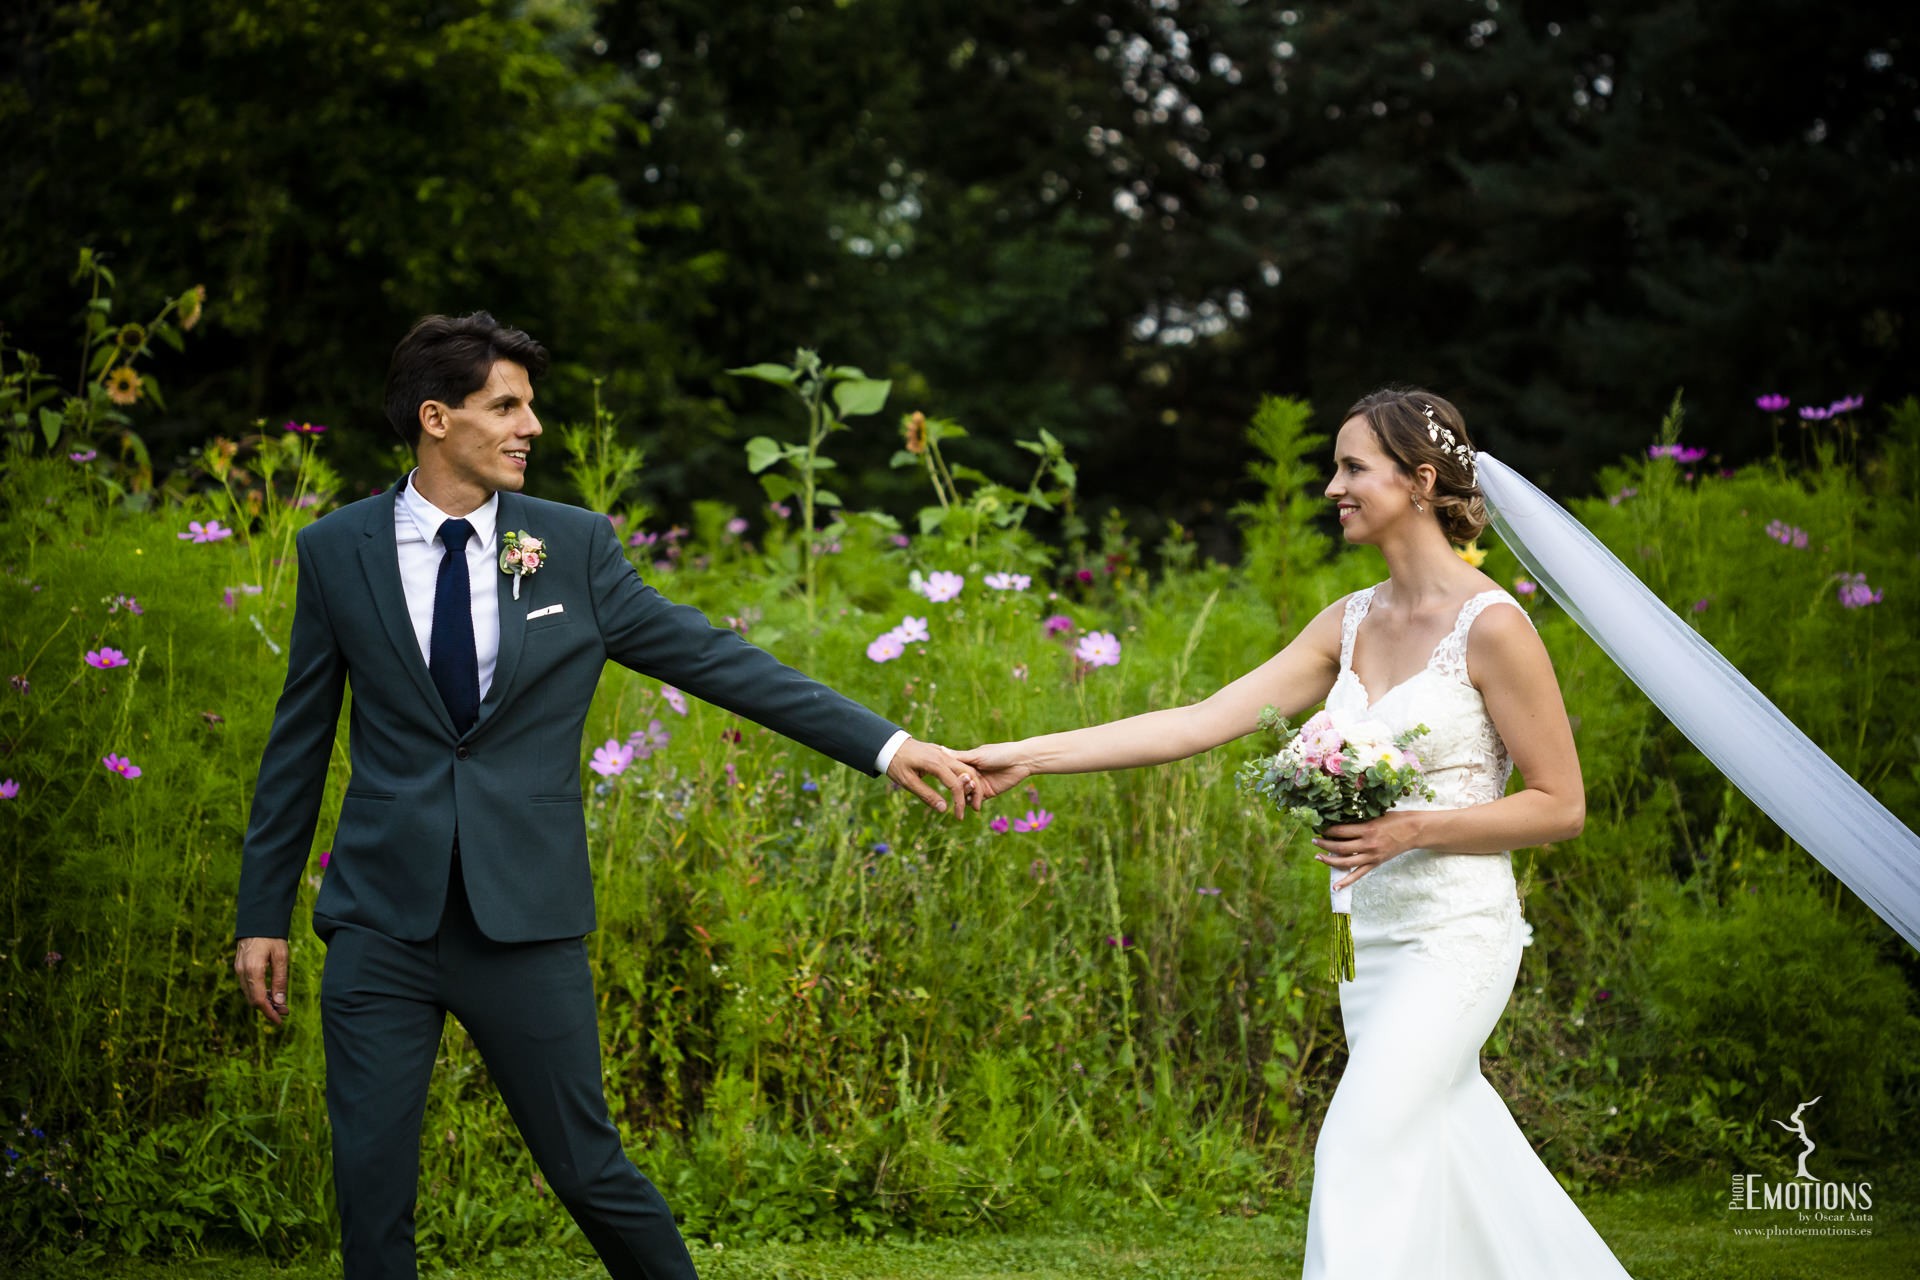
1399 421
448 358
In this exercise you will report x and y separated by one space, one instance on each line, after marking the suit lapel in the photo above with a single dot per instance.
513 614
380 558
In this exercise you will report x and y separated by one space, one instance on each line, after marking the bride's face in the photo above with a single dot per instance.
1369 489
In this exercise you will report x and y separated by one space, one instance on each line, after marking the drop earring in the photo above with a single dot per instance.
1416 504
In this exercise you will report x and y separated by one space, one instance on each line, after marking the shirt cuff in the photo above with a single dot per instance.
885 758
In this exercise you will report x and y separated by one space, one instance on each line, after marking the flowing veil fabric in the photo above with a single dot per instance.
1705 696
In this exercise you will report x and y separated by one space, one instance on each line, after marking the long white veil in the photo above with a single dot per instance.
1718 709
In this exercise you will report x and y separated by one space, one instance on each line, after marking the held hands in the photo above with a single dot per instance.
1359 847
915 760
1000 767
262 966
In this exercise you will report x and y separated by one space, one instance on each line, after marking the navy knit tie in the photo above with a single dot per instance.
450 653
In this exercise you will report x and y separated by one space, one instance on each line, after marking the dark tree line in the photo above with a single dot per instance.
1120 221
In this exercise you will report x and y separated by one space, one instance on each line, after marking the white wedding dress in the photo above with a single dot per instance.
1420 1172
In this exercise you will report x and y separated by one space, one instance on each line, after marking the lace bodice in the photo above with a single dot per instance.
1449 900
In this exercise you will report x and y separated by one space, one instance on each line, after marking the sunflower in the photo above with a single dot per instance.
131 335
123 385
190 304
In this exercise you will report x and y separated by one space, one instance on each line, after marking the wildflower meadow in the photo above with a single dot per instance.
828 1014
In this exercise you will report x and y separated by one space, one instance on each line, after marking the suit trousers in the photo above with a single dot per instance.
531 1012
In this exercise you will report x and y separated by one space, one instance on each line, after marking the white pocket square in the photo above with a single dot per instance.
541 613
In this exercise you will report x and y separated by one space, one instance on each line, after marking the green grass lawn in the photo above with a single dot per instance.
1672 1232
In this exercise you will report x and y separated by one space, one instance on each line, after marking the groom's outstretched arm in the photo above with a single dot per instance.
286 799
675 643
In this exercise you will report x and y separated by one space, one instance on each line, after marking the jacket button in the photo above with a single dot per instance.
461 753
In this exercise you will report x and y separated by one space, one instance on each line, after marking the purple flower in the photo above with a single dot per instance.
780 509
305 428
737 526
53 959
9 789
1701 606
1786 535
648 740
84 455
675 699
1000 825
882 847
1846 404
1098 649
610 759
117 603
1603 995
1008 581
911 629
900 540
809 785
1036 820
940 586
106 659
306 500
1813 413
1057 624
1678 452
1773 402
886 648
211 531
121 765
641 538
20 684
1855 593
1622 496
1524 587
1084 575
1208 890
326 856
1123 941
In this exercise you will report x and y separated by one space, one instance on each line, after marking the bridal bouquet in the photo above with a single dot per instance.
1335 769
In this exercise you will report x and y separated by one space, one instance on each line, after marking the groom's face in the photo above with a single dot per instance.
488 440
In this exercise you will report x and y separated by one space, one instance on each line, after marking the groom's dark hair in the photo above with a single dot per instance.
448 358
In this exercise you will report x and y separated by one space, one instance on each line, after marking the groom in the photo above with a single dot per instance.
459 880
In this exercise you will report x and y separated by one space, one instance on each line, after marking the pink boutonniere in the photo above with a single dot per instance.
521 553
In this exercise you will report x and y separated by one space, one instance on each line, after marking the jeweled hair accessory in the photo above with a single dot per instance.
1438 431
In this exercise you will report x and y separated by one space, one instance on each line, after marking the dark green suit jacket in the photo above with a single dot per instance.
509 787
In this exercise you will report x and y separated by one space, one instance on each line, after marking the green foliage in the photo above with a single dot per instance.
825 1014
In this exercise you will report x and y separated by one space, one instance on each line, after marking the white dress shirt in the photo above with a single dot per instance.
416 532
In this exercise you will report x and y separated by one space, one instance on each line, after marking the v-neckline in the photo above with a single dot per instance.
1426 667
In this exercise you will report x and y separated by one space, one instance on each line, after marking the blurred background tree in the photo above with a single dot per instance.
1121 220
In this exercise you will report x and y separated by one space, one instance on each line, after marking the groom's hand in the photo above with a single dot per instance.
262 966
915 760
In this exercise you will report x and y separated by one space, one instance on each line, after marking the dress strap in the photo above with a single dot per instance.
1450 657
1357 605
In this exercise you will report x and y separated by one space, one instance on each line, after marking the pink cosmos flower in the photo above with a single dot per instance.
1773 402
1098 649
612 758
1123 941
1057 624
1008 581
106 659
900 540
305 428
999 825
1524 587
1084 575
84 455
1813 413
1846 404
675 699
9 789
940 586
121 765
1786 535
1036 820
737 526
912 629
117 603
886 648
780 509
641 538
211 531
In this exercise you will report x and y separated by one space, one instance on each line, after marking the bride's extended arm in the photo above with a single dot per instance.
1291 681
1510 667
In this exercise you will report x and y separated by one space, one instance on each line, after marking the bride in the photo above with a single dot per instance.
1420 1170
